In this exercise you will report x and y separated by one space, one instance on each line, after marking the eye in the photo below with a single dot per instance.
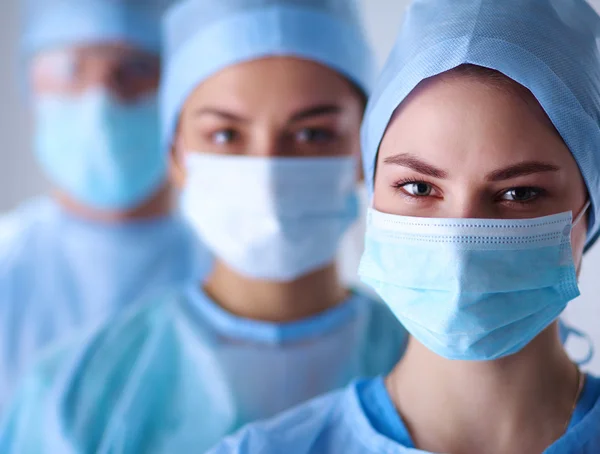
521 195
224 136
308 135
138 68
417 188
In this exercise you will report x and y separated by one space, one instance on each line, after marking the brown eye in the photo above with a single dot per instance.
520 195
224 136
312 135
418 189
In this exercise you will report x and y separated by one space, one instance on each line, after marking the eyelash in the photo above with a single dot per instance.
539 192
399 188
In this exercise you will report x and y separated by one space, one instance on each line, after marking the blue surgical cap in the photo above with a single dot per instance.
548 46
55 23
205 36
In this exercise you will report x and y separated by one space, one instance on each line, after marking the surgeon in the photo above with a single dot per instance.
482 148
108 233
261 109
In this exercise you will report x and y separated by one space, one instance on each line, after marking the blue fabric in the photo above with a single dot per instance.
380 411
474 289
274 219
59 274
176 374
102 152
203 37
589 396
54 23
257 331
548 46
337 423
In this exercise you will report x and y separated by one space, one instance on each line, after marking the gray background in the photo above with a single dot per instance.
19 177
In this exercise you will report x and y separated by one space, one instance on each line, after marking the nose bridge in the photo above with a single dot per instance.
101 73
469 203
267 141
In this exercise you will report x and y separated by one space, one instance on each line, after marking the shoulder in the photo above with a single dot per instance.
17 227
94 378
305 429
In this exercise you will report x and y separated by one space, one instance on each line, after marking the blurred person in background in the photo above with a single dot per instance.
261 107
108 232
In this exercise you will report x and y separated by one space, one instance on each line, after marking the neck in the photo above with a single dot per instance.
277 302
516 404
160 204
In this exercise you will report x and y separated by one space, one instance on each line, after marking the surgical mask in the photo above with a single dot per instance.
98 150
471 289
271 218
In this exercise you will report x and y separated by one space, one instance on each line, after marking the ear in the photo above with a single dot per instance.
177 171
360 175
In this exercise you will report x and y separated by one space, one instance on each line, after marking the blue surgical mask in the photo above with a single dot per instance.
471 289
271 218
98 150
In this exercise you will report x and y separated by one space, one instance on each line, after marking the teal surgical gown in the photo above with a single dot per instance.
177 373
59 273
362 419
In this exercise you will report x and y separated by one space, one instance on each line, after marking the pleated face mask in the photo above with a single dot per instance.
271 218
99 150
472 289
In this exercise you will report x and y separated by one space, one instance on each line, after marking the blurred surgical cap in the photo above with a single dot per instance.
203 37
56 23
548 46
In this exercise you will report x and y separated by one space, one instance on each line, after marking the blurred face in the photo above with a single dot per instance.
125 72
279 107
460 147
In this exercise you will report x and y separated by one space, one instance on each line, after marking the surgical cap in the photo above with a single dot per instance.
548 46
54 23
206 36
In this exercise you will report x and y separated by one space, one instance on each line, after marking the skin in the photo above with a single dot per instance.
272 107
513 165
124 71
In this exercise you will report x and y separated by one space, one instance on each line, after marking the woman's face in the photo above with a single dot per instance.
460 147
273 107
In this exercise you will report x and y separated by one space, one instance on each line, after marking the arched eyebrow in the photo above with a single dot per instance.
213 111
302 115
316 111
410 161
521 169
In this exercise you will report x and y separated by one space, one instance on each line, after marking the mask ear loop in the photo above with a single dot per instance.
582 213
568 331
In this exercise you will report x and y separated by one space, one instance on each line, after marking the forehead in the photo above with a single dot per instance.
285 80
453 116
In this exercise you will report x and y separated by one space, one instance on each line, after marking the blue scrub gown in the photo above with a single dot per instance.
177 373
362 419
59 273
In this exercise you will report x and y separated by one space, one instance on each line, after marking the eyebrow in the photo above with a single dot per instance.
311 112
521 169
220 113
316 111
412 162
